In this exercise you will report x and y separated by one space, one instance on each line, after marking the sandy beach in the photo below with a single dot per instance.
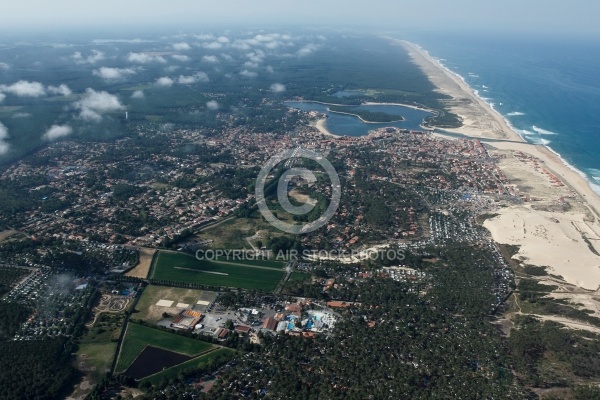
320 125
557 225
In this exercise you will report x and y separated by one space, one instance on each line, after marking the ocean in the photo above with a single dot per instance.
548 89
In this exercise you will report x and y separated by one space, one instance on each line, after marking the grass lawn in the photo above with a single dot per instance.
139 336
232 234
234 273
218 356
98 356
299 276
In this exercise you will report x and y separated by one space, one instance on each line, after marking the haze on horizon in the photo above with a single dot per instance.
537 16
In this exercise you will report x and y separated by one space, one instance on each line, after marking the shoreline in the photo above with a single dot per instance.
565 239
320 125
499 127
509 133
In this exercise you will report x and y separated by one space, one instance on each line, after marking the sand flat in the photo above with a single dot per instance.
141 270
548 239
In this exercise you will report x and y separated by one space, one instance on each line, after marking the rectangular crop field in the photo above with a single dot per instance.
243 274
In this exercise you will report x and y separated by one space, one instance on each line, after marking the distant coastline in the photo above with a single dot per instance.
535 169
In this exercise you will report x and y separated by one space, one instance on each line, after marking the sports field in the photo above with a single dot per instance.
138 337
245 274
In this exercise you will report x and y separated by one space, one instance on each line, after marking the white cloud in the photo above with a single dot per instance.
197 77
248 74
4 66
182 46
56 132
93 104
2 97
3 131
164 81
212 45
264 38
3 136
223 40
204 36
90 59
256 56
278 87
241 45
212 105
105 41
269 69
210 59
306 50
250 64
144 58
61 89
226 57
114 74
180 57
273 45
138 94
24 89
21 115
172 68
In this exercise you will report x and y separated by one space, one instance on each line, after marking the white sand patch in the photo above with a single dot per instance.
550 239
165 303
182 305
203 302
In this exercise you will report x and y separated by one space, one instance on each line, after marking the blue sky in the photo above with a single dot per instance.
553 16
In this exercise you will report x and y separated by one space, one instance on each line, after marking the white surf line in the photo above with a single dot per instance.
199 270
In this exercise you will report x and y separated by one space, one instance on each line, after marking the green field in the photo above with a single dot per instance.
140 336
299 276
235 273
218 356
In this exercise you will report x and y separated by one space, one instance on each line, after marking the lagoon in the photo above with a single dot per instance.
350 125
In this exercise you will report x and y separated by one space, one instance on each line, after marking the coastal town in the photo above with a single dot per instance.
141 265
